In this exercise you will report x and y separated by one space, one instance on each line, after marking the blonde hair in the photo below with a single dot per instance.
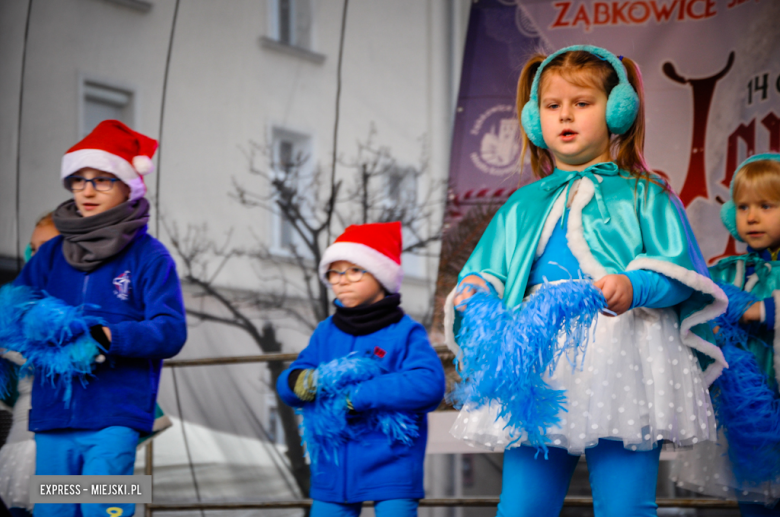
45 220
762 176
585 69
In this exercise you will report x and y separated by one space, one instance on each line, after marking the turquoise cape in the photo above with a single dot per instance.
616 223
764 283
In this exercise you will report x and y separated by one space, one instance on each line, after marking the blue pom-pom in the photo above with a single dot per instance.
326 422
50 334
749 412
506 353
15 301
730 331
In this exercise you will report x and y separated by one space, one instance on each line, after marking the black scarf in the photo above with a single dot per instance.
361 321
90 241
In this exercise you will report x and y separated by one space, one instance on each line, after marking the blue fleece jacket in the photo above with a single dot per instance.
372 469
137 293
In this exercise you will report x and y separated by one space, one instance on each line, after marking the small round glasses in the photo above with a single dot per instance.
77 183
353 274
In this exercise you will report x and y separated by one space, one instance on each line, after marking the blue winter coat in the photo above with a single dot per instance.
372 469
137 293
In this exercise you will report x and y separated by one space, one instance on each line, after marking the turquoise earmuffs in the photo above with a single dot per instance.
622 104
728 212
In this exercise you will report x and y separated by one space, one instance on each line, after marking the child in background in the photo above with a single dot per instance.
106 261
753 217
598 212
17 456
44 231
363 266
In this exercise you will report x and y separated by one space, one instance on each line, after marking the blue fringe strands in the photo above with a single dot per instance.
326 422
747 408
51 335
749 412
730 332
506 353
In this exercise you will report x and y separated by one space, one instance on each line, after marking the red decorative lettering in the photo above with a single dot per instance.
617 12
772 123
664 12
695 184
731 249
645 15
709 9
681 12
600 13
581 16
748 135
564 8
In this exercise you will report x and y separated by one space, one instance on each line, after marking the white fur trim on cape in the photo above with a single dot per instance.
384 269
449 312
751 282
702 284
106 162
549 225
739 276
576 236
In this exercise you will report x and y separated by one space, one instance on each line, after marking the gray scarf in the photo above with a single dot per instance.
90 241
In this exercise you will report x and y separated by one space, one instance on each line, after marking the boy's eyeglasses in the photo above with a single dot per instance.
353 274
77 183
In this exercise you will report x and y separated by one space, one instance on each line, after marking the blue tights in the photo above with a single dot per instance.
623 482
389 508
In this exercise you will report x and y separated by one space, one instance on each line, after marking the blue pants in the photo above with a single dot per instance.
623 482
109 451
389 508
758 510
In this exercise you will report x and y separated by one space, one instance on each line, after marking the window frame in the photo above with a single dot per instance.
85 81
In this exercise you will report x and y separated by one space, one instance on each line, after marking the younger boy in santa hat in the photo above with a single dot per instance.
105 261
363 267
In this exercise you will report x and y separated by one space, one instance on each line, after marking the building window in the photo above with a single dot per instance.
102 102
401 193
291 22
291 161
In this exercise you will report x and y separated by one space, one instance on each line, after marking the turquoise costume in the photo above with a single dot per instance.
640 381
707 469
631 225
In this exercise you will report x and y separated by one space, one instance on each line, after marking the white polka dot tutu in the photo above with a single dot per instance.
706 469
17 456
638 383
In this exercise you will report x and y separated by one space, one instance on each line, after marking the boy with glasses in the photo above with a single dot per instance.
105 261
363 267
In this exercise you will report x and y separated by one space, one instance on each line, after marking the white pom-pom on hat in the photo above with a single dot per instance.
143 165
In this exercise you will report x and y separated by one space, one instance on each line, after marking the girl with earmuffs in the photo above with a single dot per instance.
598 212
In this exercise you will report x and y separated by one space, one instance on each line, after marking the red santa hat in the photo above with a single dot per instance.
374 247
113 147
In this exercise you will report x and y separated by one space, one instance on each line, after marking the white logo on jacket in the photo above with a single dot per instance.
122 284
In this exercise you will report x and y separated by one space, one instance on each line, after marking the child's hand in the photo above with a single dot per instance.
467 290
618 292
752 314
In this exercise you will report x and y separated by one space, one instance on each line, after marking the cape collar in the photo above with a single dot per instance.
560 178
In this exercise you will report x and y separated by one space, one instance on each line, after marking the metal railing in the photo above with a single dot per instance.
445 354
